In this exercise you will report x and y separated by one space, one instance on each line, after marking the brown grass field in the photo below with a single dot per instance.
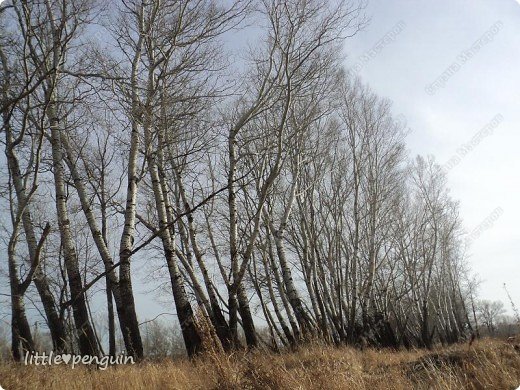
488 364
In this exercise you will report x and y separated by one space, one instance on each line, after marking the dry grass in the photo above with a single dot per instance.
489 364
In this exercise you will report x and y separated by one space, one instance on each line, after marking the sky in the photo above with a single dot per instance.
452 70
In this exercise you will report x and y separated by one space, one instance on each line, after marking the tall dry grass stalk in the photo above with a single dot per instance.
489 364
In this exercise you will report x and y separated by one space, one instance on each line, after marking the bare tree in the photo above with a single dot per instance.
490 313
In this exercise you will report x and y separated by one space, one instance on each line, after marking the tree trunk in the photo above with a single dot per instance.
127 313
248 323
303 318
127 319
219 322
190 331
54 323
111 322
20 329
87 340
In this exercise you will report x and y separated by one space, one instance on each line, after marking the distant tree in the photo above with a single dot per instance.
490 313
162 339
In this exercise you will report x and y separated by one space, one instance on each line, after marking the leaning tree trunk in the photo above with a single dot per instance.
233 239
108 282
281 320
281 291
354 260
128 315
54 323
248 323
303 318
20 329
218 319
367 300
237 297
127 319
87 339
189 328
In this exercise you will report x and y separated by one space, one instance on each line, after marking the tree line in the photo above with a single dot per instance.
271 185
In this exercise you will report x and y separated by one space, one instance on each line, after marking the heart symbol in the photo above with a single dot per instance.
66 357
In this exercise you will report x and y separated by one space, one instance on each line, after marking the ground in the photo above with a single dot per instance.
487 364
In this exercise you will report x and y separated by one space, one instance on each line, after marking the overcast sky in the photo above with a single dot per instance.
469 119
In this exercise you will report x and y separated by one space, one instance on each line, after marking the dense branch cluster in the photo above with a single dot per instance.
272 198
